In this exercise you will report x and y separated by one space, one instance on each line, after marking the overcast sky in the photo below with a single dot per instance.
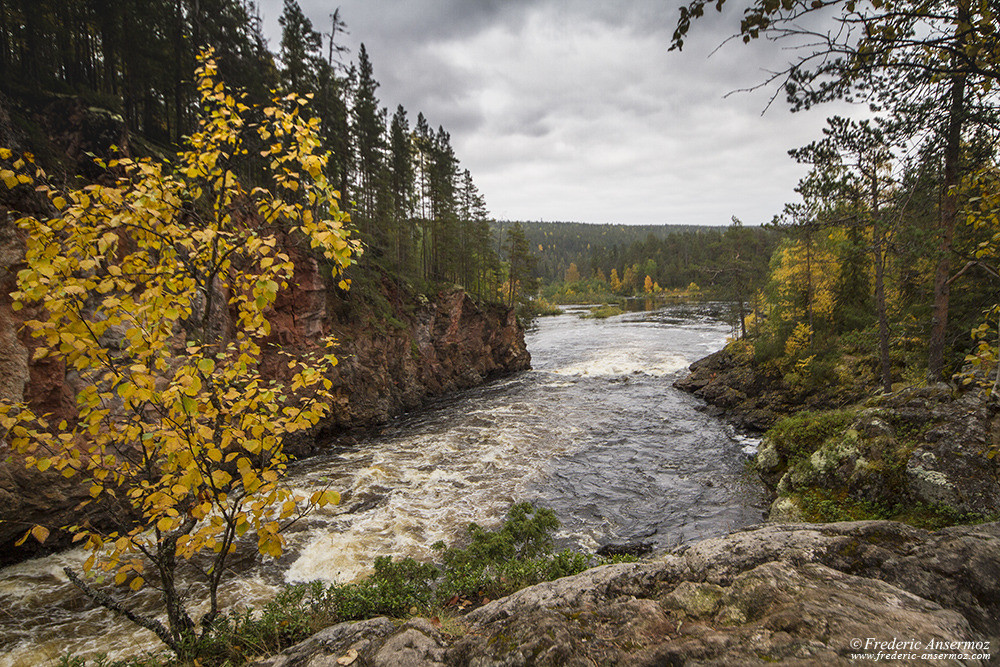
576 111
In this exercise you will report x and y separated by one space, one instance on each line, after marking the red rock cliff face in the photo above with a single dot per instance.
388 363
392 362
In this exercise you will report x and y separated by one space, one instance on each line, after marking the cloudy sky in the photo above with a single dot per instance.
575 110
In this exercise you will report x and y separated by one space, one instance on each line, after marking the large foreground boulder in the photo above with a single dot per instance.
797 594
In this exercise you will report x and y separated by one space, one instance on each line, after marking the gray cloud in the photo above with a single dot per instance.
574 110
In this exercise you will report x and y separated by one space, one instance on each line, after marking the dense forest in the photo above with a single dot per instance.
556 245
419 213
893 235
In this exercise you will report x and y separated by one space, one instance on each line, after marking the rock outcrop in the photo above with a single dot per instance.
928 451
921 450
755 396
796 594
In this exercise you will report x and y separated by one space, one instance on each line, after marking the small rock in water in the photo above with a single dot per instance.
366 503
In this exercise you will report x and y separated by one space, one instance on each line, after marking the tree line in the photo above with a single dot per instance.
556 245
592 263
417 210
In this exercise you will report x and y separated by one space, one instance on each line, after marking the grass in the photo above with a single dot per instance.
803 433
603 312
825 506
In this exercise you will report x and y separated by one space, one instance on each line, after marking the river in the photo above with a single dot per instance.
594 431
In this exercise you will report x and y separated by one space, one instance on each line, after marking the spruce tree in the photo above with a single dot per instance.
368 130
401 186
300 50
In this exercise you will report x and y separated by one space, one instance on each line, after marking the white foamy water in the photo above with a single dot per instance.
595 431
418 490
619 363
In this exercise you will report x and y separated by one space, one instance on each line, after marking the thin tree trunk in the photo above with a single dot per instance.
809 295
878 242
949 214
106 601
883 321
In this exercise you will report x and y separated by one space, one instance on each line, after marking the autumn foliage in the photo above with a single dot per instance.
155 289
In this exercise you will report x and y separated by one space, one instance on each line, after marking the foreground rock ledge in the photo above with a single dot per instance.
796 594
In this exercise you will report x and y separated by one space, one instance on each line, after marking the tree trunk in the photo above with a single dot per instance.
809 294
883 320
109 603
879 246
949 214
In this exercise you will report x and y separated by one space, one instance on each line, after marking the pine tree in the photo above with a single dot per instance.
423 144
442 191
520 266
401 186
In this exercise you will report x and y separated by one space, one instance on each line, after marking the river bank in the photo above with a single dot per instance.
596 432
593 431
827 593
923 455
752 396
795 594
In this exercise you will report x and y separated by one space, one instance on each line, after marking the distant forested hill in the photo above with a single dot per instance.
556 245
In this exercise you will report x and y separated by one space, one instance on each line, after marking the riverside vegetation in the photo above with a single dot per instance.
128 281
880 300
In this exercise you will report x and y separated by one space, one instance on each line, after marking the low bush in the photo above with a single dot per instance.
803 433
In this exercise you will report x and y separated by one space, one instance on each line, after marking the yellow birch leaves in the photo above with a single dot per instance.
155 288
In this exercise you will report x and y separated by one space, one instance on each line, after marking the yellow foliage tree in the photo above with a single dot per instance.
177 429
629 279
983 214
572 273
803 277
615 283
648 285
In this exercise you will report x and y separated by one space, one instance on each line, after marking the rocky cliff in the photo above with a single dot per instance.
795 594
395 350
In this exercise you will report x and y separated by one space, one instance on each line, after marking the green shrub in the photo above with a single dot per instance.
498 562
543 308
603 312
803 433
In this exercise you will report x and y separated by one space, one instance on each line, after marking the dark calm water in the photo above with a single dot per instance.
595 431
